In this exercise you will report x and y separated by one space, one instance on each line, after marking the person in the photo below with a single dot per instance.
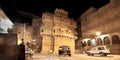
31 51
21 55
22 42
28 44
38 48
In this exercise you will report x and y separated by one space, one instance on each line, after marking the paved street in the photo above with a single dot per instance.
75 57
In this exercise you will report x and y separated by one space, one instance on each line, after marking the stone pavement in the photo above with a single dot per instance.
37 56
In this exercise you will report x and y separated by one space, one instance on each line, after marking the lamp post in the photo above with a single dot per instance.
24 32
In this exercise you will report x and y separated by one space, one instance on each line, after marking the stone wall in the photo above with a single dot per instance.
105 20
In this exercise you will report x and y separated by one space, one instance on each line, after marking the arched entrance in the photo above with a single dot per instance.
64 50
115 39
89 42
93 42
99 41
106 41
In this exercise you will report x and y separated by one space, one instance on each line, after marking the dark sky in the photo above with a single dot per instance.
74 7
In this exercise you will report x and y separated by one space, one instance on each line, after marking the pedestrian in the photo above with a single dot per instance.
38 48
31 52
22 42
21 55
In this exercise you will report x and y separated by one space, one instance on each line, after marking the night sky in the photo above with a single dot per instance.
74 7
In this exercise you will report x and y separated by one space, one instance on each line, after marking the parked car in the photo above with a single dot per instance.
64 50
101 50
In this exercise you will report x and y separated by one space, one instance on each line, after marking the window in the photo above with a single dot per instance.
62 19
101 48
54 24
54 31
62 31
43 24
115 39
41 30
19 32
85 19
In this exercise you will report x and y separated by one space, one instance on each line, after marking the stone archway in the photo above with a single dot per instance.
115 39
99 41
106 41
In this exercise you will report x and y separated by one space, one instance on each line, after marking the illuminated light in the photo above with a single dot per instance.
19 42
98 33
28 41
86 39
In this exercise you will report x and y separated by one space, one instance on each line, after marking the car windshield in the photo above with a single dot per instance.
64 48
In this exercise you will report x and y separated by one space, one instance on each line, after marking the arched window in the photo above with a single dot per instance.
115 39
106 40
89 42
99 41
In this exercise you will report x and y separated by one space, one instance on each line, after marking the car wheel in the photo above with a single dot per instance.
88 54
92 54
105 54
69 54
101 54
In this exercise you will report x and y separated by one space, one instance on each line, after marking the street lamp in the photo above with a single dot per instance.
98 33
25 31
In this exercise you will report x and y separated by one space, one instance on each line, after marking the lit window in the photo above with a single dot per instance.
86 19
54 31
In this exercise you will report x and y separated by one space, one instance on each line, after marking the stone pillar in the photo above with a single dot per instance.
46 44
110 37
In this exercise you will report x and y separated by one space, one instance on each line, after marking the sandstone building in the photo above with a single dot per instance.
104 21
57 30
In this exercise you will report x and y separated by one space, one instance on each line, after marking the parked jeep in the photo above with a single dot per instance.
101 50
64 50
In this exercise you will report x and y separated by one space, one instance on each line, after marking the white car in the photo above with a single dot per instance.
101 50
